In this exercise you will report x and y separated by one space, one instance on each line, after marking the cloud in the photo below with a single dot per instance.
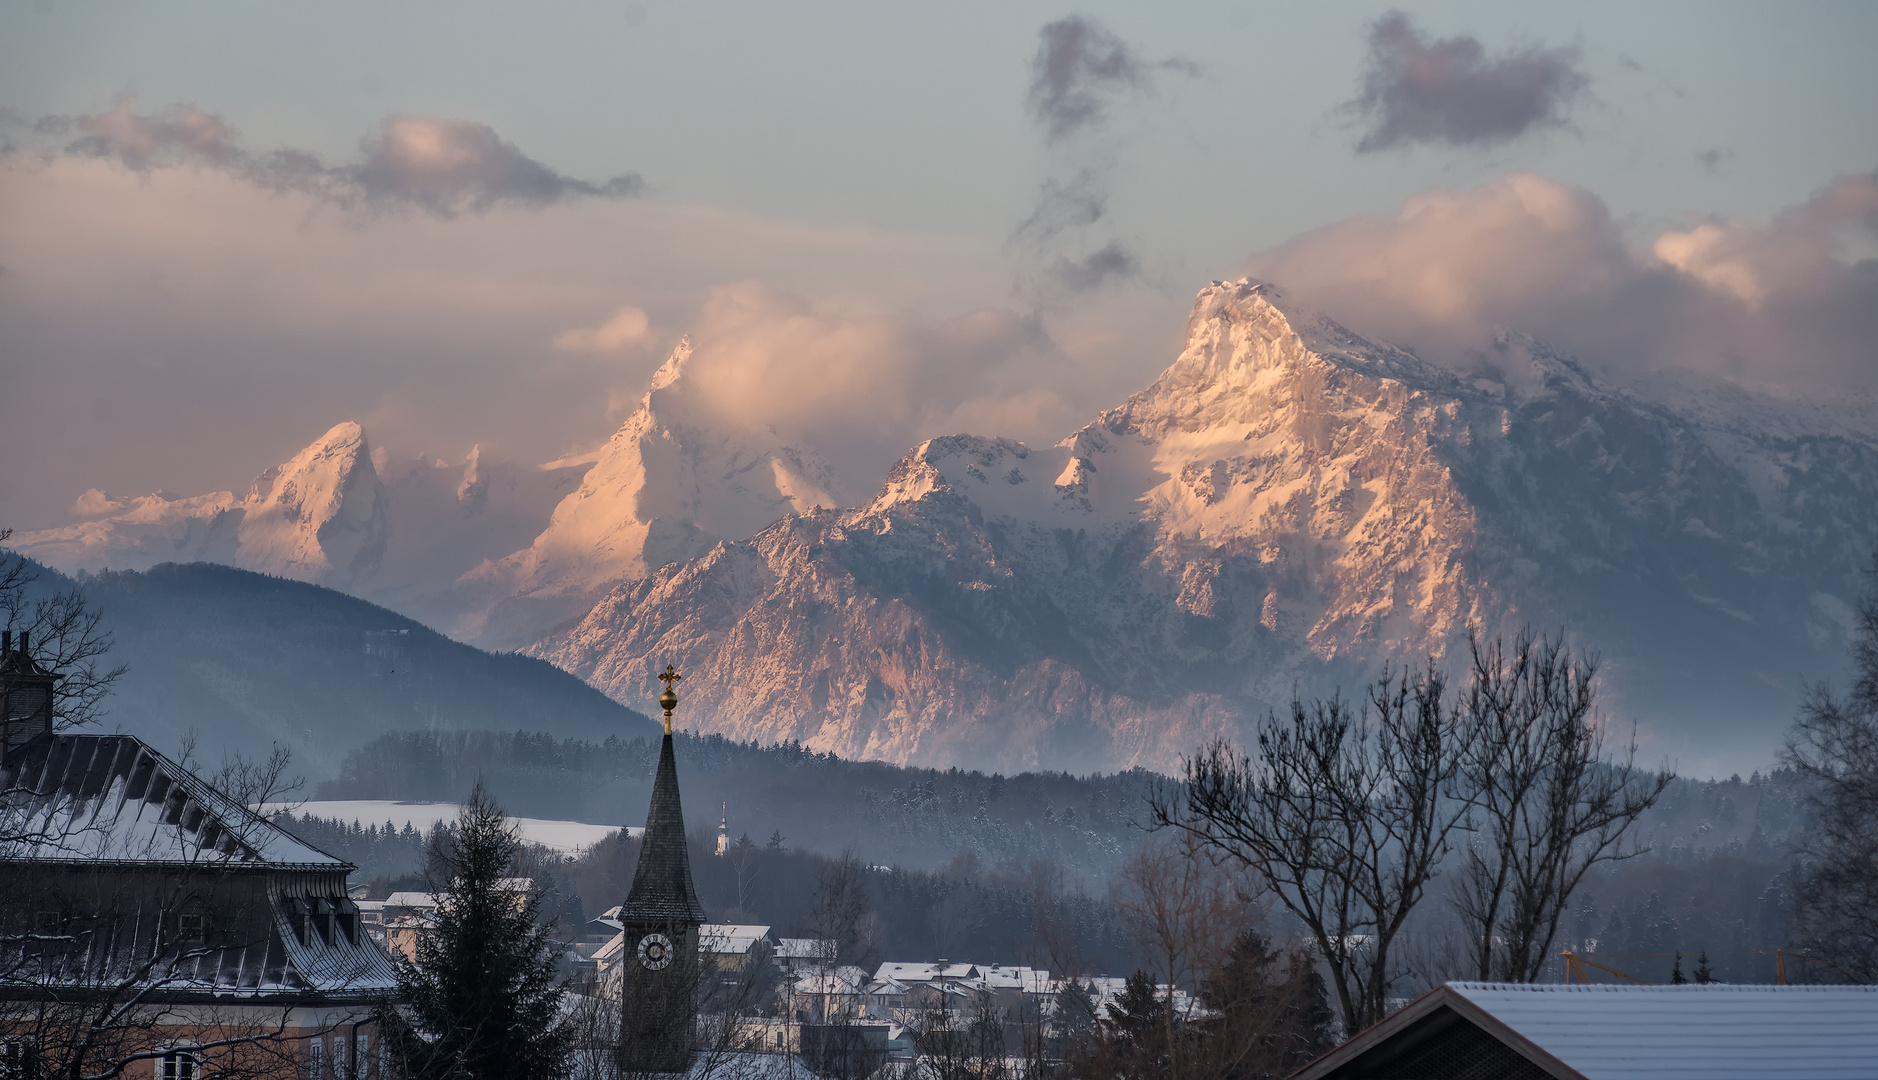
448 166
626 326
1080 72
443 167
1110 262
863 389
1780 302
1715 158
179 132
1062 205
1448 91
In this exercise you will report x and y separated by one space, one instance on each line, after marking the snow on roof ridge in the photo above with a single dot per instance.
1469 985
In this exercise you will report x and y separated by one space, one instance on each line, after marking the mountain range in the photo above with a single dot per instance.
1287 507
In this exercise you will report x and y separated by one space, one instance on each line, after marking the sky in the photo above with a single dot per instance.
226 227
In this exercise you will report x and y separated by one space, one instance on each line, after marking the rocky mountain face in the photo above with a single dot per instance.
320 517
667 487
1286 508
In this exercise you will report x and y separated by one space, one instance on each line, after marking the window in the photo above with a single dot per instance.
18 1060
178 1064
316 1059
192 929
339 1056
46 923
359 1060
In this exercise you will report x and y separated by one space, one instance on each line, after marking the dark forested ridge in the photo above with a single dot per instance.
919 818
247 660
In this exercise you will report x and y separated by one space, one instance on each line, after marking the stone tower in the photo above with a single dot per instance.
660 920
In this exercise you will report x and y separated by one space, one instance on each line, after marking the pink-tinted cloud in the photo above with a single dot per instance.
626 327
863 389
177 132
1779 302
441 166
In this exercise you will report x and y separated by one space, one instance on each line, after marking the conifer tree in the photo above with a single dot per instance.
1703 973
483 999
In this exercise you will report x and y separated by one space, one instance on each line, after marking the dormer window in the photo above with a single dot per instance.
192 928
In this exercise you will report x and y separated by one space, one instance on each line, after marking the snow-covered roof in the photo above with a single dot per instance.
1715 1031
611 949
1028 979
918 972
413 900
111 798
1712 1032
836 983
729 937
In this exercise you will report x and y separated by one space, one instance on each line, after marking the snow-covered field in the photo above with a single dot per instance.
569 837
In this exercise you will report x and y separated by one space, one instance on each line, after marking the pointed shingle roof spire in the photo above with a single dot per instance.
662 889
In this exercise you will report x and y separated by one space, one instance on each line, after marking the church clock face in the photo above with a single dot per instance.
655 952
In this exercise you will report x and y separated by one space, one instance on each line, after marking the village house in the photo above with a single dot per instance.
151 926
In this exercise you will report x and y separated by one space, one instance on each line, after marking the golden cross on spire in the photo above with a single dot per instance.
669 700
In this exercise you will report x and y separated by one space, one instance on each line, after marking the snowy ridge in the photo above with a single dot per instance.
668 486
319 517
1287 506
339 513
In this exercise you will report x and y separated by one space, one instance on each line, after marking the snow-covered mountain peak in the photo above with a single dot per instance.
671 483
320 516
1286 507
671 369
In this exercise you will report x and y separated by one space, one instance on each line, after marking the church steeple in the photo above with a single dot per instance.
662 889
660 921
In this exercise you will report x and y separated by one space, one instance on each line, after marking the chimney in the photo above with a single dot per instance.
26 694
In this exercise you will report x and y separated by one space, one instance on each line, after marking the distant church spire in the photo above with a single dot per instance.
723 830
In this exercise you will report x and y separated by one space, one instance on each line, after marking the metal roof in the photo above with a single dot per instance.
1717 1031
1713 1032
111 798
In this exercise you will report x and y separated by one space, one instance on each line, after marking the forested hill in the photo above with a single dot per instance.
247 660
916 818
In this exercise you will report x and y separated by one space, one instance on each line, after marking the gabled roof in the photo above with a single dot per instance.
730 937
1723 1032
918 972
111 798
662 891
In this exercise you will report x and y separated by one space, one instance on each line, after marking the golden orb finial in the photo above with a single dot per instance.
668 700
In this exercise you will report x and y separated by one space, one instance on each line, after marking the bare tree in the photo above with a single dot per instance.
1550 806
66 634
832 1042
1346 817
1834 744
727 999
1185 914
967 1043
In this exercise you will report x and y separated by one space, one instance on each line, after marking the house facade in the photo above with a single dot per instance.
149 921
